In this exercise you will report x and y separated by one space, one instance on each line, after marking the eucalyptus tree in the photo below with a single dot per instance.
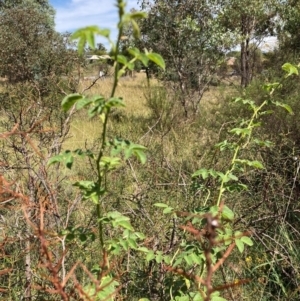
14 3
288 32
27 36
192 42
251 21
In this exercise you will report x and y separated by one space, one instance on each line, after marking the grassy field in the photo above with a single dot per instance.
173 142
176 148
135 91
131 89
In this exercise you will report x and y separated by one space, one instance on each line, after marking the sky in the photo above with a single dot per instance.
74 14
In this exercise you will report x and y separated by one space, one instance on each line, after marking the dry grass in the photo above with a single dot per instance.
134 90
131 89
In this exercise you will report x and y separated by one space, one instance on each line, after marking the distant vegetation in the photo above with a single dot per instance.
175 176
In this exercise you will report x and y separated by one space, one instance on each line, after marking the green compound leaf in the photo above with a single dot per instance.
159 257
122 59
138 15
227 214
233 177
143 249
136 29
121 72
265 143
125 224
129 149
132 243
110 163
214 210
124 244
188 259
144 59
134 51
290 69
87 34
196 259
140 235
90 38
271 87
285 106
150 256
201 172
108 287
177 262
85 185
157 59
240 245
66 158
83 102
167 259
254 163
140 154
168 210
114 102
241 131
70 100
247 240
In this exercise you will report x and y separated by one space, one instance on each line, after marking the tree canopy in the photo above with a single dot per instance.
189 37
28 41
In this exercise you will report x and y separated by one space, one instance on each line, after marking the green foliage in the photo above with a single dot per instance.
40 68
278 175
250 21
290 69
197 255
31 49
106 290
192 43
87 35
289 13
125 237
179 231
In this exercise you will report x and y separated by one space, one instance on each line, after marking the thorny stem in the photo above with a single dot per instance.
120 26
237 149
104 131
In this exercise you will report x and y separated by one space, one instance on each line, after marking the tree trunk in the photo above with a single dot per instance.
245 52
